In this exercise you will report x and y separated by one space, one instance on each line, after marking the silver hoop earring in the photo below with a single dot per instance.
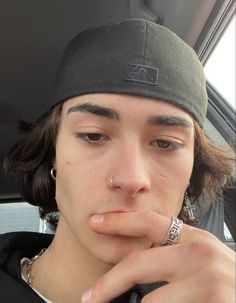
188 210
53 172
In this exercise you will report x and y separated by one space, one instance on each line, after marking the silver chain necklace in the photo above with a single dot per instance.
29 267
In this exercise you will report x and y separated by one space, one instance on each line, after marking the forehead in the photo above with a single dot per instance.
127 105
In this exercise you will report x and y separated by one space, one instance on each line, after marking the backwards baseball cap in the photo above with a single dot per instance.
136 57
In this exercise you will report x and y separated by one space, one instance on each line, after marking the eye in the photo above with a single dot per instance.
92 138
165 145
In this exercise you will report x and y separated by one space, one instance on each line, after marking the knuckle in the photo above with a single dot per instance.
204 248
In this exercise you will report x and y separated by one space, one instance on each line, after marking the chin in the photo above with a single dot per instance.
117 248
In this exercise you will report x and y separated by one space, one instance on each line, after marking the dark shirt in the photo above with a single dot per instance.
13 289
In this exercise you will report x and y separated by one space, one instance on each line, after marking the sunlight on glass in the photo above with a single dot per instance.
220 68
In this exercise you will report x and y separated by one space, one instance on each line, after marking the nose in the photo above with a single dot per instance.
129 173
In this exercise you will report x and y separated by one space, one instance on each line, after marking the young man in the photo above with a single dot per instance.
120 153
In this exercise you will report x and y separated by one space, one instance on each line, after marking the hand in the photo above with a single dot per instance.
199 268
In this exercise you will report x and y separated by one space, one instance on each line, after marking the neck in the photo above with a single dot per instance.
66 269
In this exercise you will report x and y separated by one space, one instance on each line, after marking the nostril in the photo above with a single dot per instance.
130 185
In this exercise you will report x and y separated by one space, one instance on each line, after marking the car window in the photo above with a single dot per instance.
229 241
21 216
220 67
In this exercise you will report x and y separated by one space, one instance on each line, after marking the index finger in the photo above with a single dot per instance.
141 224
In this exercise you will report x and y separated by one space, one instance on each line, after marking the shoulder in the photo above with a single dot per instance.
13 247
26 242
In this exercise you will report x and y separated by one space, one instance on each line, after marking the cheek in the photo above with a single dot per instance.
76 181
70 178
71 195
70 162
171 181
67 180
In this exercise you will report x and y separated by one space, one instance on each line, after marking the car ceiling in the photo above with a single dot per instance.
33 35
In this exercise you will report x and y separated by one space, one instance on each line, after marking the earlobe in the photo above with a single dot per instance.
54 163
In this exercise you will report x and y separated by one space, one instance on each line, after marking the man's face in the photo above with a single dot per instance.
145 146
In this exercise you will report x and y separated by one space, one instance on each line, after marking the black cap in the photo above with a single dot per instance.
136 57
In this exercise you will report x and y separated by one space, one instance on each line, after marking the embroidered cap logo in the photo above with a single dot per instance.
141 73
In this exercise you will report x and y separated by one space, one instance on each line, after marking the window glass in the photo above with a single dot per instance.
22 216
220 67
19 217
229 241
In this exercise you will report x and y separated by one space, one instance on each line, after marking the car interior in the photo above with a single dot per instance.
33 35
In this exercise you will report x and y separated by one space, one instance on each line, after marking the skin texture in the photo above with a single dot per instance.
142 172
104 240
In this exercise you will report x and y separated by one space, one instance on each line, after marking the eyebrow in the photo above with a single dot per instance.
96 110
169 121
102 111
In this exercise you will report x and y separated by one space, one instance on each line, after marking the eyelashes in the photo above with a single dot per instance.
166 144
94 138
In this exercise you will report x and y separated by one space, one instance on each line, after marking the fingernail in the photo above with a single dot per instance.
87 295
97 219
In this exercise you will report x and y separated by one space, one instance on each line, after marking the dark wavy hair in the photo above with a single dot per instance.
31 160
